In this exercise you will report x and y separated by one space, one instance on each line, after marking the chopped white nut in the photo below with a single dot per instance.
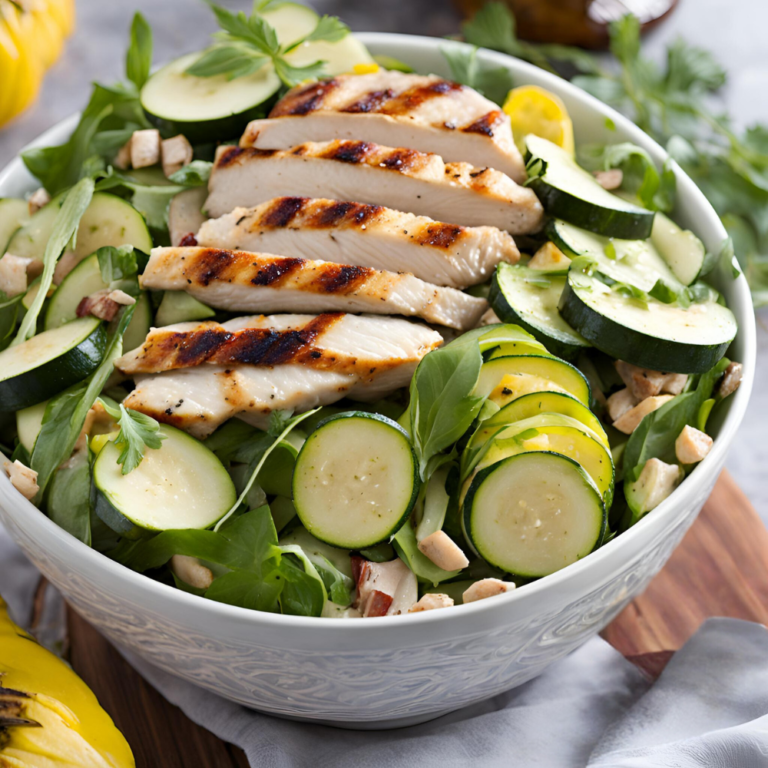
191 571
488 318
486 588
549 257
23 479
68 261
674 383
443 551
620 402
430 601
121 297
731 379
37 200
692 445
610 179
628 422
642 382
145 148
657 481
13 274
123 158
176 153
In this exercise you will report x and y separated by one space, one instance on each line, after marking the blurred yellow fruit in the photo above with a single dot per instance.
48 716
535 110
32 33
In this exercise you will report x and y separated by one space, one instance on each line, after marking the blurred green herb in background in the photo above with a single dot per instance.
674 103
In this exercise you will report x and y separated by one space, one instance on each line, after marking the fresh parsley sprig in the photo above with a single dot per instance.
246 43
137 432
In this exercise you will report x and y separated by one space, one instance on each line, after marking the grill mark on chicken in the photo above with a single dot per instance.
211 265
211 343
274 273
282 212
486 124
333 214
402 159
415 97
439 235
342 278
228 156
353 152
371 102
306 100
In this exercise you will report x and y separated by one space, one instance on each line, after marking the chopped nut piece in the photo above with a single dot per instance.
430 601
123 158
37 200
642 382
620 402
145 148
611 179
440 548
99 305
23 479
378 604
486 588
488 318
549 257
176 153
628 422
692 445
731 379
674 383
191 571
393 579
121 297
13 274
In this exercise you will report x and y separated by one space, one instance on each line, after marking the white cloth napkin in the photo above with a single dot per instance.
709 709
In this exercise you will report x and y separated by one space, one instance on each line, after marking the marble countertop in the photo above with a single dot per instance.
734 31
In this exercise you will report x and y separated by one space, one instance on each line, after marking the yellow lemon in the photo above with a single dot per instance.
535 110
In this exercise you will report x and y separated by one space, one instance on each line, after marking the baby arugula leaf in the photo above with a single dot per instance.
247 43
137 432
64 230
65 413
138 59
493 82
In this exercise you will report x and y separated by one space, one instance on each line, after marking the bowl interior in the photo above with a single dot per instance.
591 125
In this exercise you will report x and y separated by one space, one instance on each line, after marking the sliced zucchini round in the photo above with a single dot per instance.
503 379
108 220
533 514
215 108
29 422
14 213
568 192
84 280
680 248
551 432
537 403
50 362
636 262
663 337
179 485
180 307
530 297
356 480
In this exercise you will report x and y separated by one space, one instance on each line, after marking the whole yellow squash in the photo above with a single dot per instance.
32 33
48 715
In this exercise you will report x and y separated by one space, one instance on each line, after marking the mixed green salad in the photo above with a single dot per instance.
159 401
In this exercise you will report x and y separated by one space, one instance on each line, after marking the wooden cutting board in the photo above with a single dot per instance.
720 569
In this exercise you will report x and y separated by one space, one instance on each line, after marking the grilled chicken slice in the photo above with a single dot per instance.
197 375
404 179
365 235
425 113
261 282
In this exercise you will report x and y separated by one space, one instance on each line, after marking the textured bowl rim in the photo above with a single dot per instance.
661 516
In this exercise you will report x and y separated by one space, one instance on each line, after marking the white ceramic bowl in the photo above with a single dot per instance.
401 670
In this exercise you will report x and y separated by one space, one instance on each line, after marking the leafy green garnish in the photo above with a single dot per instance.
69 498
195 174
137 432
119 262
138 59
247 43
65 413
406 546
64 231
493 82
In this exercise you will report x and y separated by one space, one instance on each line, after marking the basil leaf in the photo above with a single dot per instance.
195 174
68 499
138 60
493 82
303 591
65 413
246 590
64 230
118 263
